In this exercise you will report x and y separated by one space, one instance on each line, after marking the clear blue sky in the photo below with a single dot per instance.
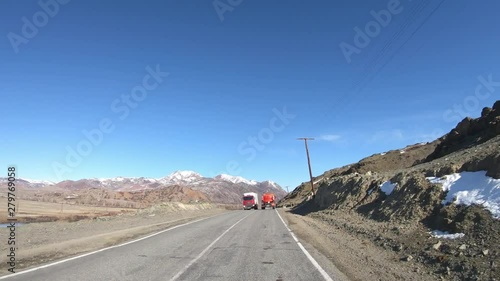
228 77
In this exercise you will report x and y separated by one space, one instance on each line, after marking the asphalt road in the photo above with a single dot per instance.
239 245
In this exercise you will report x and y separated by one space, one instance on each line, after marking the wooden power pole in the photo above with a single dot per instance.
309 164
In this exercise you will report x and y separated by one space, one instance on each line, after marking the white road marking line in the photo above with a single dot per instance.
311 259
104 249
206 250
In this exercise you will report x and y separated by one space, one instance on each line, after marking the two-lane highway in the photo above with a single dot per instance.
239 245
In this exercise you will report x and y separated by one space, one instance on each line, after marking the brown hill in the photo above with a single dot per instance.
415 203
472 146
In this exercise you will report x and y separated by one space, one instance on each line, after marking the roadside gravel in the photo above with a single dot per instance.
40 243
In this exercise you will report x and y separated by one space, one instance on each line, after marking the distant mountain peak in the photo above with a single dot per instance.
112 179
182 176
235 179
42 182
272 183
186 173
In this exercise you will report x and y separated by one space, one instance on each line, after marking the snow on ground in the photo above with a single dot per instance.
387 187
469 188
446 235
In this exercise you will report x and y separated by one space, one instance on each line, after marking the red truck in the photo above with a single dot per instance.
268 200
250 201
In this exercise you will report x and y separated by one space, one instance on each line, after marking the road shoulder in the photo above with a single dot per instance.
305 238
356 258
43 243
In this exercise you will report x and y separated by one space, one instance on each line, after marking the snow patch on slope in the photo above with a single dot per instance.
469 188
387 187
446 235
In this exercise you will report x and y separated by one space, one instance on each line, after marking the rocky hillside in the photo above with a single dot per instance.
180 186
472 146
451 184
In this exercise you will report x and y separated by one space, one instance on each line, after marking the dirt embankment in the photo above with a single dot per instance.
364 249
351 199
40 243
354 255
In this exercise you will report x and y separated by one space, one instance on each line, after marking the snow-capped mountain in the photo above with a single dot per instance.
270 184
235 179
28 183
124 183
181 177
42 182
221 189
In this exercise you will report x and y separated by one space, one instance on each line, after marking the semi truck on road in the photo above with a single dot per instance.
268 200
250 201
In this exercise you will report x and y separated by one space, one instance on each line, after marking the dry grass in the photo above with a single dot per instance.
229 206
34 211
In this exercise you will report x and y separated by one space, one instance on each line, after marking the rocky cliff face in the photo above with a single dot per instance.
469 132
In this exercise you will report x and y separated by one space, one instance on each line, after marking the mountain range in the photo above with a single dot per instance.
223 188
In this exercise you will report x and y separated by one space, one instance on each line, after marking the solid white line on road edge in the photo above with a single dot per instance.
206 249
311 259
104 249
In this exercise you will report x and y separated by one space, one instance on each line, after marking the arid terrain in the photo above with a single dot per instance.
36 211
394 216
391 202
40 243
56 220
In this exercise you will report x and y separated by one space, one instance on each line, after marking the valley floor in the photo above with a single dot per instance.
40 243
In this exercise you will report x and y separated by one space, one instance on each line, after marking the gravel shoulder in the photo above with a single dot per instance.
357 257
41 243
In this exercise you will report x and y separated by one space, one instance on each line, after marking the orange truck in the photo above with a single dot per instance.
268 200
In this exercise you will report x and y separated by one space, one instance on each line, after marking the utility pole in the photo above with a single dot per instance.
309 163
